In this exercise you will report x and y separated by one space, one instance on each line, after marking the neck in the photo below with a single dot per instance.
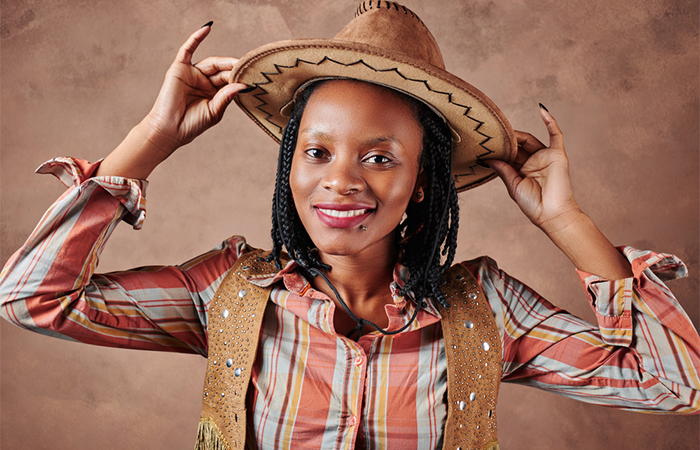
363 283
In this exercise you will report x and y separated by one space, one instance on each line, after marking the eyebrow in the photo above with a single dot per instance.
369 142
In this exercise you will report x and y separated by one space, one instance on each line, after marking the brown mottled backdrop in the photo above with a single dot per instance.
620 76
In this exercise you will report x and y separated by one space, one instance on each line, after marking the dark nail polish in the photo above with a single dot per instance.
483 165
543 107
246 90
208 24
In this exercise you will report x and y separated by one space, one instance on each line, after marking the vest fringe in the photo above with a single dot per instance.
209 437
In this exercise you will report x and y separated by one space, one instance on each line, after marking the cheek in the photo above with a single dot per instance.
298 181
303 183
400 192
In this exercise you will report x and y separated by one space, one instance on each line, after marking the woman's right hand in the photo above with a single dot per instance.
193 98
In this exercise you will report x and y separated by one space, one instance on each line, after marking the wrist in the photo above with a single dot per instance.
578 237
570 231
564 222
143 149
160 142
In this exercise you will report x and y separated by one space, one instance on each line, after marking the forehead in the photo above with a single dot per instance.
357 89
364 88
355 106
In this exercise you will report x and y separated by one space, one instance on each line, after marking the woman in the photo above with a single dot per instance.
334 93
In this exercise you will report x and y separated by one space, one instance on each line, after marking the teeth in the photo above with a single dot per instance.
336 213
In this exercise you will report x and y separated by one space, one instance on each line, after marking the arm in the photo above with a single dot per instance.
642 355
49 285
644 352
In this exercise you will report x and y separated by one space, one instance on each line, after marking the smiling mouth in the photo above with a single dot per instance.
342 218
349 213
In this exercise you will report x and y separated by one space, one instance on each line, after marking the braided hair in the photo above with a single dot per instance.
428 231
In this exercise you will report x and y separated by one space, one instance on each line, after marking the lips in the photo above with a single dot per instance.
342 216
338 213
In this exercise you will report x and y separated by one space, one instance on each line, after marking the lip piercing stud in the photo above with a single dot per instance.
363 228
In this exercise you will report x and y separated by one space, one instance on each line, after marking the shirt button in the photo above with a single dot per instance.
359 360
352 420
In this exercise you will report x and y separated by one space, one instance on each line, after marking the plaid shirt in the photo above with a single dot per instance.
314 389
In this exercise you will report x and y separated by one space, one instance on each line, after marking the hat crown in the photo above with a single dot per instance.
395 28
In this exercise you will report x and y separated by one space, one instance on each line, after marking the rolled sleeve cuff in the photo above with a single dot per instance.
74 172
612 300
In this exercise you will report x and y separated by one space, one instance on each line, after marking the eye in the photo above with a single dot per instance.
377 159
315 153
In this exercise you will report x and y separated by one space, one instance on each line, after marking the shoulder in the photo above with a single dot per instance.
480 267
219 260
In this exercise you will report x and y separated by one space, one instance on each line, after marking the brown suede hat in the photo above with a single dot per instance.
389 45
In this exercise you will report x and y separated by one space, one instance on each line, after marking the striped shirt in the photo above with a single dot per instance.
312 388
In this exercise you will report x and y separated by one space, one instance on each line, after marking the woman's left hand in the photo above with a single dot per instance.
538 180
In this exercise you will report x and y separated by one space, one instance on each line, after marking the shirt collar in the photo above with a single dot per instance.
295 282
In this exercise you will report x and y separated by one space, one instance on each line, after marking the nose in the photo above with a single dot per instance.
343 176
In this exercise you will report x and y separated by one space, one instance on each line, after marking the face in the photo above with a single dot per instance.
356 165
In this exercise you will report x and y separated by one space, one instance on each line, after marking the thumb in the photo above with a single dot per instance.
223 98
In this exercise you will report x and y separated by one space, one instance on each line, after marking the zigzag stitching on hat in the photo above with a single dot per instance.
267 76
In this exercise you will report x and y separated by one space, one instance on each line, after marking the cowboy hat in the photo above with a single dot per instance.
386 44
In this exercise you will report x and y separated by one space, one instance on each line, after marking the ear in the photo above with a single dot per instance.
419 188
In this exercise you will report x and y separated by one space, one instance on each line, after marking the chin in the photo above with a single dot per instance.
338 249
355 245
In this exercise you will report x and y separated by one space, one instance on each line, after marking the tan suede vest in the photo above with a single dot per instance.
472 348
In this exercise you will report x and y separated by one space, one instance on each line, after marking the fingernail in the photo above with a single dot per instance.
482 165
208 24
543 107
246 90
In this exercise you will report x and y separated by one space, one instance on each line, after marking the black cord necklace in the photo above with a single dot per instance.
359 321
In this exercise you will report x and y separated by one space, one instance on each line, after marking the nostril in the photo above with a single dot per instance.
344 181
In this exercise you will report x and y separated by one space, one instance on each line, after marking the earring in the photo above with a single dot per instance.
419 194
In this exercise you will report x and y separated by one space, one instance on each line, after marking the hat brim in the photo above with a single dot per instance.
278 69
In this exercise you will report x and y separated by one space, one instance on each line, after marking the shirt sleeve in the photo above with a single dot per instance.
49 285
643 354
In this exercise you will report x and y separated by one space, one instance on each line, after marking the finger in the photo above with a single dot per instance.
209 66
507 174
184 55
556 139
521 158
528 142
223 98
220 79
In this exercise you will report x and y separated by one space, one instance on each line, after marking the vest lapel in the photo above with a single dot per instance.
473 351
235 318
